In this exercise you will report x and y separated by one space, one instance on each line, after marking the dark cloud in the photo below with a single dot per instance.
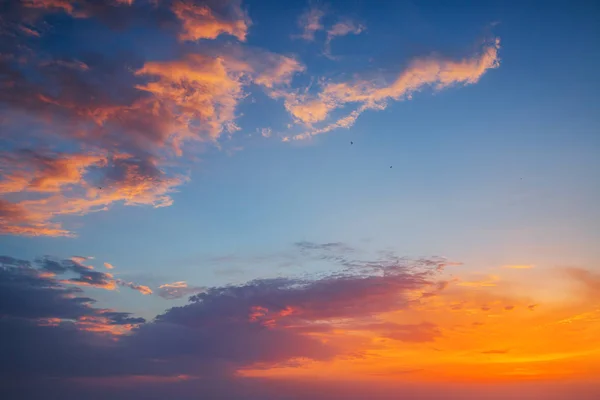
86 276
25 292
262 322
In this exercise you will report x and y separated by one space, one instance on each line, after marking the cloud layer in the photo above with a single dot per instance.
387 319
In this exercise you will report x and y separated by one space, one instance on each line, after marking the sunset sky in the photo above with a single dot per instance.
268 199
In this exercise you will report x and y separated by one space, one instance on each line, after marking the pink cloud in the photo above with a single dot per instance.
145 290
310 22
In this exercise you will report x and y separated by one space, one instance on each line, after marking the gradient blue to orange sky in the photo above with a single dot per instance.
260 199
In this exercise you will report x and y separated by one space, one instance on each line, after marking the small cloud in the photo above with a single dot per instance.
29 31
109 266
509 308
310 22
519 266
202 22
81 260
177 290
145 290
266 132
342 28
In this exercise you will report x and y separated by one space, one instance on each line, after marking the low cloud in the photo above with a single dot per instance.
220 329
351 316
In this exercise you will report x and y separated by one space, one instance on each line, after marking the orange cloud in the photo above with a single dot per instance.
203 22
492 336
101 324
201 88
145 290
108 265
35 172
108 285
63 5
70 191
16 219
435 72
177 290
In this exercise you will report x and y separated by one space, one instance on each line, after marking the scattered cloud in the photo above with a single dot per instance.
266 132
90 131
120 122
109 266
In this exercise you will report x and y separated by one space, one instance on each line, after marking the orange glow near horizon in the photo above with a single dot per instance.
467 333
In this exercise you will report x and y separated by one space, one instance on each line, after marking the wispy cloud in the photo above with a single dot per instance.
432 72
344 27
310 22
140 288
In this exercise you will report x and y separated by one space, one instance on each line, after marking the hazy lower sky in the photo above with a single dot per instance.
292 199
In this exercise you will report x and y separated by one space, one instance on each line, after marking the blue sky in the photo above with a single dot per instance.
486 165
501 170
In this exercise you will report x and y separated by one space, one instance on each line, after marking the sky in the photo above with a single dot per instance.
260 199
